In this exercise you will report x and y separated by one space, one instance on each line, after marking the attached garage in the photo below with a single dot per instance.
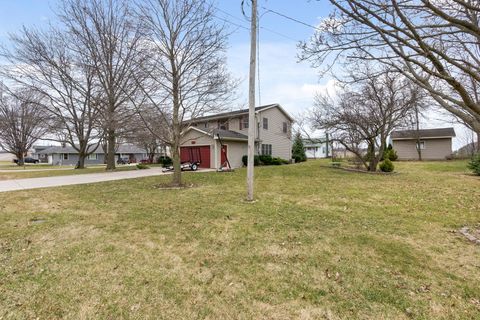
196 153
213 147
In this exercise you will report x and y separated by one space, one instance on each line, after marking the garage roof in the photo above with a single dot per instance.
424 133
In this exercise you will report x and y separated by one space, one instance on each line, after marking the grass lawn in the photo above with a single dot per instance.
318 243
55 171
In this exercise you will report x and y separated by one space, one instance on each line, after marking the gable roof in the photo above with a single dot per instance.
241 112
423 133
224 134
313 141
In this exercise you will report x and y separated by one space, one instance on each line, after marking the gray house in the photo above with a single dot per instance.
67 155
215 138
434 144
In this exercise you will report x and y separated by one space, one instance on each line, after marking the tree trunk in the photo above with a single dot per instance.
417 122
372 159
177 172
81 161
111 149
478 142
20 159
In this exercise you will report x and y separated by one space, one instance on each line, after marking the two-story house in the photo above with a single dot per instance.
216 138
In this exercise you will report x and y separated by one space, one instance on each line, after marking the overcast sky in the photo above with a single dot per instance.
283 79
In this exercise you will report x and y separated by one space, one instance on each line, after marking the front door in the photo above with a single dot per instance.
223 156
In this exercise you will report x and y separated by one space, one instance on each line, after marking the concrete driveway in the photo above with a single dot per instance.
47 182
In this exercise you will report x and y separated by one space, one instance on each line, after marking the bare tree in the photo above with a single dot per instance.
435 44
50 63
141 135
22 122
186 75
365 113
108 33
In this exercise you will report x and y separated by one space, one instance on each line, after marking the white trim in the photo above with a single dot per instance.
426 138
229 115
196 129
279 107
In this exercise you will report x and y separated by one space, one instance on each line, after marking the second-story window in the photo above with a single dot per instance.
265 123
285 127
223 125
244 122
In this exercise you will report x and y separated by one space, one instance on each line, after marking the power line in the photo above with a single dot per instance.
290 18
246 28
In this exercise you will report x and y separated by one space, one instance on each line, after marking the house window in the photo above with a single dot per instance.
223 125
266 149
92 156
244 123
65 156
285 127
265 123
421 145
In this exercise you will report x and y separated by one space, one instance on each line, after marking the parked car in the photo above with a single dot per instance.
28 160
145 161
123 160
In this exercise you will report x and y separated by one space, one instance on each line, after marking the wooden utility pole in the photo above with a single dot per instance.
251 102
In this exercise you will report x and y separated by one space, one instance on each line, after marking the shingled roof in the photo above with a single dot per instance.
235 113
228 134
423 133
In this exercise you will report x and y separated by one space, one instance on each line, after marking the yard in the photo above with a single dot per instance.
39 171
319 243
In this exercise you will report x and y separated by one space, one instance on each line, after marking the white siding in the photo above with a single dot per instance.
281 142
435 149
235 152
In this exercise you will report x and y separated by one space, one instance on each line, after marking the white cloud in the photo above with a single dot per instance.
283 79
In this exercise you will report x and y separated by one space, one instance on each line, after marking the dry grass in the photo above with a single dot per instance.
318 243
53 171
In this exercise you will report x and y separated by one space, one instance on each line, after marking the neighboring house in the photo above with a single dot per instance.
206 135
435 144
317 148
60 155
5 156
467 151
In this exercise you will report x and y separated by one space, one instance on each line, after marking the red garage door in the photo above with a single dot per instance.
201 154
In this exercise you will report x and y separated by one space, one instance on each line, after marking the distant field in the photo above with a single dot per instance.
319 243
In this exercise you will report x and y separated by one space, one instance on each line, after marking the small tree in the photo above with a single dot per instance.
474 164
22 122
298 150
185 76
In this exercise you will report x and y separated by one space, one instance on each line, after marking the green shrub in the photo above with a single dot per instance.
393 155
390 154
387 166
256 160
141 166
266 159
298 150
474 164
165 161
276 161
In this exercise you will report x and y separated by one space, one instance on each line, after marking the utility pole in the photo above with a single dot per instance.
251 102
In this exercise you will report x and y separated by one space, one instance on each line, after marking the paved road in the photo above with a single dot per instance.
47 182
